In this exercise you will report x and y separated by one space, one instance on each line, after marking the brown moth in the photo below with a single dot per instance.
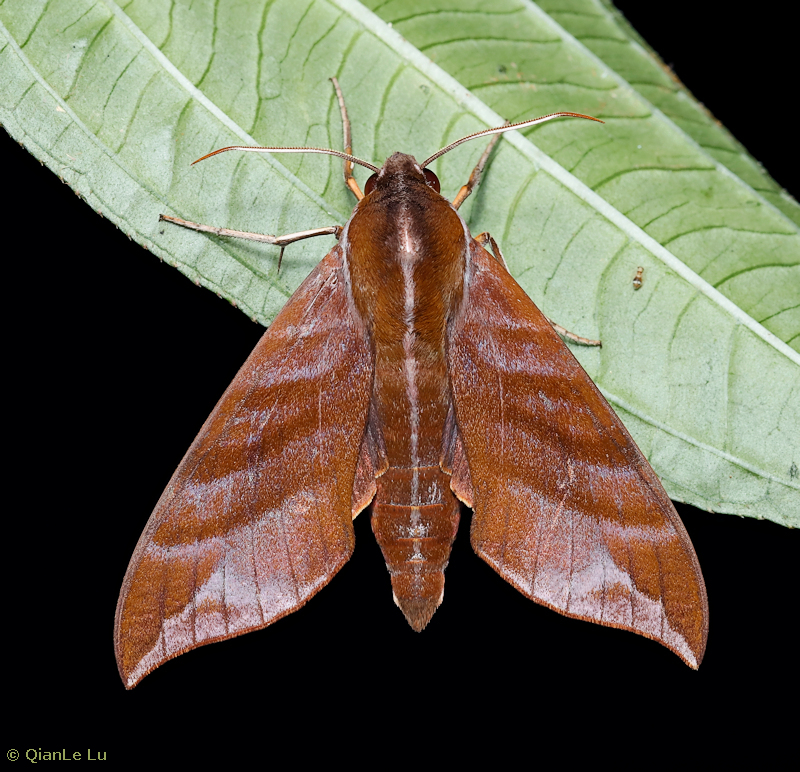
638 279
410 372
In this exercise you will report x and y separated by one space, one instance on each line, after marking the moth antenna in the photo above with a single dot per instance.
322 151
502 129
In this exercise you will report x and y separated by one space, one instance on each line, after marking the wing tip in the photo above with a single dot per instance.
691 653
151 656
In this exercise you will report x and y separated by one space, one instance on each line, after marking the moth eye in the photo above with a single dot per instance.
432 180
370 186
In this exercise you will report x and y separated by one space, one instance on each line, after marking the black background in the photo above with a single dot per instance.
104 397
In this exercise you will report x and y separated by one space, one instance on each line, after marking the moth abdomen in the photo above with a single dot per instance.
416 537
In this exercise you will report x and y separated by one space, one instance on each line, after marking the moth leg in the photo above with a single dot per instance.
477 173
565 333
485 239
349 179
279 241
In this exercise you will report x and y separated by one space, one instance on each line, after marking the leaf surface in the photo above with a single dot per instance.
119 99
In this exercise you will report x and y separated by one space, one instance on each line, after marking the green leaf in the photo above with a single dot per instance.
598 26
120 101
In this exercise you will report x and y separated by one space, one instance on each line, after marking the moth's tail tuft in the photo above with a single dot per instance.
418 596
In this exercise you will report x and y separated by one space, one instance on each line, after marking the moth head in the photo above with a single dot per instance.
402 165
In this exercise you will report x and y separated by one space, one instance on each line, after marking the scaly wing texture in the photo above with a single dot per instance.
258 516
566 507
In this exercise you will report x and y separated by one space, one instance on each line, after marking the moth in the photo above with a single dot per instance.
409 372
638 278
